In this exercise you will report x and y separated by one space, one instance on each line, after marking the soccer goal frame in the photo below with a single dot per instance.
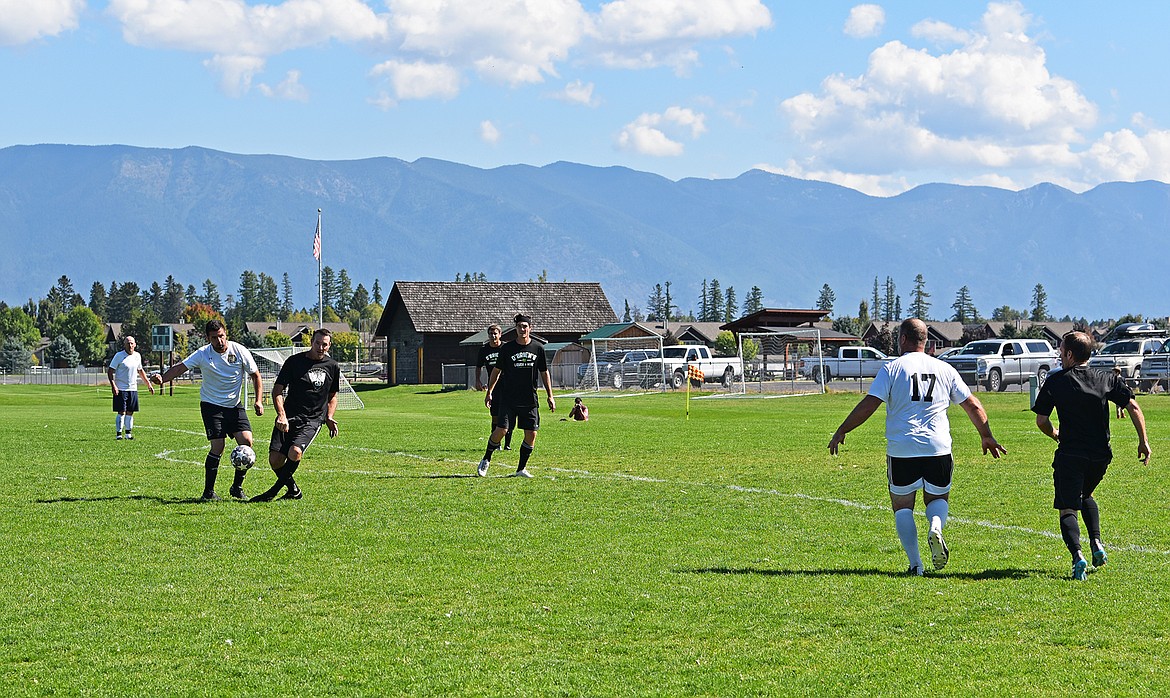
627 376
771 366
270 360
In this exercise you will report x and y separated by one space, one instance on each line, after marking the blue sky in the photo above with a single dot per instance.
879 97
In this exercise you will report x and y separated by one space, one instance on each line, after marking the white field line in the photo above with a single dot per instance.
588 475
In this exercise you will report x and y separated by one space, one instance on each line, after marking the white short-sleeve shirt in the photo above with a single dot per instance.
917 390
223 374
126 368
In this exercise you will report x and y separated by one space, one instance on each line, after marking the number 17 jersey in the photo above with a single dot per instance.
917 390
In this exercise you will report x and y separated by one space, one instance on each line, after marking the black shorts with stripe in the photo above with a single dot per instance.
930 473
221 422
301 433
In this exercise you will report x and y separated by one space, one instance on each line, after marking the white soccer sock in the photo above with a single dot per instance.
118 422
908 534
129 422
937 508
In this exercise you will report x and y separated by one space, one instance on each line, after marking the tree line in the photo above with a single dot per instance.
715 305
76 327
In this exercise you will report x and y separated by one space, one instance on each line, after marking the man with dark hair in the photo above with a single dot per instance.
520 363
123 373
312 380
223 365
917 390
1081 396
489 354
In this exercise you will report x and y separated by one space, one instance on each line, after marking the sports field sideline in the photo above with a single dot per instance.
727 555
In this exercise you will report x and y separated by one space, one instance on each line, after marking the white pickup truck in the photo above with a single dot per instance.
672 367
850 362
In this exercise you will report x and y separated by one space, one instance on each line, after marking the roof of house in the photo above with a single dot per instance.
775 317
624 329
465 307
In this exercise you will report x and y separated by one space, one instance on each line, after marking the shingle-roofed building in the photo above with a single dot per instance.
424 321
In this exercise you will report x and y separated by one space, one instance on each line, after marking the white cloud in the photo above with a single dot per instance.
872 184
865 21
419 80
238 34
647 135
22 21
643 34
577 92
488 132
940 32
990 106
290 88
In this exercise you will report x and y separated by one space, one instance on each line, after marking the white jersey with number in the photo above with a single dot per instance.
223 374
917 390
126 368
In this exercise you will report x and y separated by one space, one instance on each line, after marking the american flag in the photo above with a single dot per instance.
317 242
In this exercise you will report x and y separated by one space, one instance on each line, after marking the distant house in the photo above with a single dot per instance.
777 320
424 322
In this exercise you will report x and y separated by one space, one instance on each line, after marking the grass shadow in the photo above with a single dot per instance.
129 498
1009 573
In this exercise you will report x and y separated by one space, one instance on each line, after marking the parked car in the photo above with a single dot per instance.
616 368
849 362
675 361
996 363
949 352
1125 355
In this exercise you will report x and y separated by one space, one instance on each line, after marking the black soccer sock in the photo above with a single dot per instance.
1070 531
525 454
285 476
210 471
238 479
1092 516
492 447
508 439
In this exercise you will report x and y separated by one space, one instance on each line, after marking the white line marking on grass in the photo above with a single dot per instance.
586 474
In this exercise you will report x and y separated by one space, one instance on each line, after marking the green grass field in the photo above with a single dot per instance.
726 556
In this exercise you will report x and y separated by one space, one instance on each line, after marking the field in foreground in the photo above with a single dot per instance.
727 555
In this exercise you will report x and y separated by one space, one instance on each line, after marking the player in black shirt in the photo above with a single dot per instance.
512 387
489 353
312 379
1081 396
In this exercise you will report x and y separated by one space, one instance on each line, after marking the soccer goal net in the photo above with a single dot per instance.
269 360
622 365
771 362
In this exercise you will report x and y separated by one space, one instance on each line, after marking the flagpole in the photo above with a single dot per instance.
688 392
320 291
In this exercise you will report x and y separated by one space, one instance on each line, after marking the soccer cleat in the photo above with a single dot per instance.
119 436
481 471
129 436
939 554
914 571
210 497
267 495
507 448
521 473
1080 571
238 493
1099 557
294 492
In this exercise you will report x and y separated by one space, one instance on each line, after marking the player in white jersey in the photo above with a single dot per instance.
123 373
223 365
917 389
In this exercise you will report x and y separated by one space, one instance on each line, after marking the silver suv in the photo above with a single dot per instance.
997 363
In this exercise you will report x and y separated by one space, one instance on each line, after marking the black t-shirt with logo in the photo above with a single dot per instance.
520 368
1081 397
308 385
489 357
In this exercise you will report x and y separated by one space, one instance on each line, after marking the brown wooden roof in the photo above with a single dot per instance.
775 317
460 307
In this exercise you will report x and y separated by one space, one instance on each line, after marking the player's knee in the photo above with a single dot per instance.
294 453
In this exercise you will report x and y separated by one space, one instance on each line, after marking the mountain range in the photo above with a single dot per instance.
122 213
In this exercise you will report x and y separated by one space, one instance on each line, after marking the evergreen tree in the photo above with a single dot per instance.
863 316
192 295
328 287
891 306
14 356
627 317
1040 304
267 299
247 300
173 300
754 302
286 299
98 299
61 352
876 308
714 301
729 313
827 299
964 307
704 309
47 313
898 308
378 291
344 292
668 304
152 299
123 301
920 299
655 303
211 296
360 299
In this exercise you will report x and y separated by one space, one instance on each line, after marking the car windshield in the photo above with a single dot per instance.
1127 347
980 349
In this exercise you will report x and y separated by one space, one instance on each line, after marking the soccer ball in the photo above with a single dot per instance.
243 457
